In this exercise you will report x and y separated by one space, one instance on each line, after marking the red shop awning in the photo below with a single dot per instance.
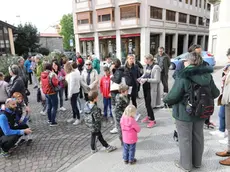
86 39
107 37
131 35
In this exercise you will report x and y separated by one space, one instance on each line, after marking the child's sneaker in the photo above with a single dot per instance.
145 120
111 149
133 162
114 131
126 162
94 151
151 124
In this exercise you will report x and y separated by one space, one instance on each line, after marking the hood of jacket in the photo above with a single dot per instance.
45 74
2 83
200 74
88 107
127 123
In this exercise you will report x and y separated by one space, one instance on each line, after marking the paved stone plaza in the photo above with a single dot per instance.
63 148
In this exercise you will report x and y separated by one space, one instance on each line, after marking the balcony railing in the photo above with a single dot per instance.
83 6
125 2
105 25
132 22
105 4
85 28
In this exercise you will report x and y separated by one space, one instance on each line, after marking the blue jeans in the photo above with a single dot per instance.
61 91
52 101
222 118
129 151
107 104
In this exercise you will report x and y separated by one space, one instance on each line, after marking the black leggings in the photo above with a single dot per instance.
98 135
147 96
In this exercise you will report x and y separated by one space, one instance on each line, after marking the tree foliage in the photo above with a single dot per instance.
67 30
27 39
44 51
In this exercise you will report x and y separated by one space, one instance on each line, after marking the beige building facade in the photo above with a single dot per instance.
119 27
219 41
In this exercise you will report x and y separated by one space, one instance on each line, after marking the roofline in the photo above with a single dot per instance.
8 25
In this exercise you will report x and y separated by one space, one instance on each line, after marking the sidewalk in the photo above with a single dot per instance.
156 151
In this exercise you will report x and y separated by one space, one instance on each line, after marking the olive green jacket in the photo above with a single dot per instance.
200 75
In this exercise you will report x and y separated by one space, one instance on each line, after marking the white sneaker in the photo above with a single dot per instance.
70 120
114 131
218 133
224 141
76 122
43 113
62 109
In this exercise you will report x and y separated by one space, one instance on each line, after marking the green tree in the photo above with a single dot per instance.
67 30
27 39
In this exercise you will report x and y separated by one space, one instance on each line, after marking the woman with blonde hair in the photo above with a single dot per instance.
129 128
151 87
73 79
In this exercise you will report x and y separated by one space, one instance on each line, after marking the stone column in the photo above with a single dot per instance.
175 44
145 43
84 48
118 44
96 45
185 49
77 43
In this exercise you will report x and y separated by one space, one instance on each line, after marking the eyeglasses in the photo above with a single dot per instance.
88 64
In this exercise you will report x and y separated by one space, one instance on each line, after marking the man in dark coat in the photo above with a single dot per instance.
164 63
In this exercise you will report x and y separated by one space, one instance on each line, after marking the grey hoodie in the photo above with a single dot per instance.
3 93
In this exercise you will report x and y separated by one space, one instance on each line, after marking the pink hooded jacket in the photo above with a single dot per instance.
129 128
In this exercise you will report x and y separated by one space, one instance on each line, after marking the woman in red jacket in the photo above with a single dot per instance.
49 82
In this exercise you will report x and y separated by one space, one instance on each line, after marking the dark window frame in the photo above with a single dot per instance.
156 13
192 19
182 18
170 15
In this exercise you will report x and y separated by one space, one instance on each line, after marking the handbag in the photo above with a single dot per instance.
219 100
114 86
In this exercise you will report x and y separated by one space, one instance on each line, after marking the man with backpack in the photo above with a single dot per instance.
49 84
192 97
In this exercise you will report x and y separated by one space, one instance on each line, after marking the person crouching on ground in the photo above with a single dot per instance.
8 136
130 128
93 120
22 116
122 101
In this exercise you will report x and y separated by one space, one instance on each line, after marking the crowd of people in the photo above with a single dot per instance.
191 97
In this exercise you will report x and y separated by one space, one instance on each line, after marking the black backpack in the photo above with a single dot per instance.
199 101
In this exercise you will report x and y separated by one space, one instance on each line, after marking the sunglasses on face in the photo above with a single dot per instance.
88 64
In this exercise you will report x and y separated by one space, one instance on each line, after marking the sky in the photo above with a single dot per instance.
41 13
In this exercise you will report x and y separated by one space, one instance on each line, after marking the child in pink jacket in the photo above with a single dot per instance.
129 128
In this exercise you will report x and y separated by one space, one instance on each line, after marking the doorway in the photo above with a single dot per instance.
154 43
180 45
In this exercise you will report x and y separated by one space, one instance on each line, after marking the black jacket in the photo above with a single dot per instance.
17 85
131 75
117 75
